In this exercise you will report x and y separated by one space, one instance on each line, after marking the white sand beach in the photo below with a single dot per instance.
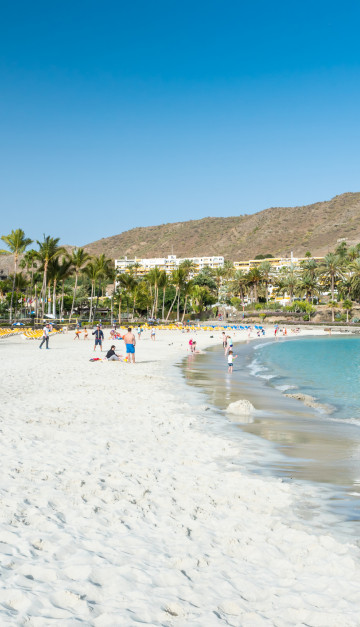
121 505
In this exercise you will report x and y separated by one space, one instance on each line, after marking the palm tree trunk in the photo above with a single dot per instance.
36 302
156 300
43 289
62 301
120 309
178 306
171 306
13 286
74 296
163 304
54 299
12 293
183 316
332 287
152 301
91 301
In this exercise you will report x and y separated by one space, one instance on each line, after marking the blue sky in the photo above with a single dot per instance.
115 115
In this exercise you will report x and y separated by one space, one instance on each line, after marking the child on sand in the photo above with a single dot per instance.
85 333
77 334
231 358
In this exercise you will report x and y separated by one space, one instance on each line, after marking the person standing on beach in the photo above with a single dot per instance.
224 341
99 336
129 340
45 336
229 344
231 358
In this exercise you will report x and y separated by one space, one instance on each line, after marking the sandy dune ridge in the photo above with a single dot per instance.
122 505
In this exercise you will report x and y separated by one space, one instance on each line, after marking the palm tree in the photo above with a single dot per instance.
64 271
17 244
218 276
112 274
143 296
341 251
189 266
104 270
288 281
188 290
308 285
265 270
331 270
333 304
134 268
125 283
347 305
48 251
228 269
29 262
91 270
239 284
153 277
163 281
309 266
254 280
78 259
352 253
199 295
37 278
178 278
53 270
354 268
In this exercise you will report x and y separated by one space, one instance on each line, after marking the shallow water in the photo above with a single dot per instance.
312 445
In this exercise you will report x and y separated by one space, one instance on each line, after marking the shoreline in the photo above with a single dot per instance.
117 511
292 422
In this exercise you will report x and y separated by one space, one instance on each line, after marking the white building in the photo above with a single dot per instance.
169 263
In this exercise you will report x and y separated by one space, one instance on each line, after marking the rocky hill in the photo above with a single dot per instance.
279 230
317 228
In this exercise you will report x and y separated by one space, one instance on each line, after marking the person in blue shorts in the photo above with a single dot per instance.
99 336
129 340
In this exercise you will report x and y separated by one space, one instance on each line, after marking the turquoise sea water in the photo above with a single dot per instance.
317 445
326 368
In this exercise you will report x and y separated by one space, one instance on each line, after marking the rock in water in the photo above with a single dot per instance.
241 407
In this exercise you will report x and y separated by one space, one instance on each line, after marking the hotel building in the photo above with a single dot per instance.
169 263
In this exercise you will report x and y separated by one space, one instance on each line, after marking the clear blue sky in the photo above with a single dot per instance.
120 114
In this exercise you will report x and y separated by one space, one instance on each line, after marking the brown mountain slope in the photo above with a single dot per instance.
278 230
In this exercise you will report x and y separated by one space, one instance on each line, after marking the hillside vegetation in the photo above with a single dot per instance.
278 230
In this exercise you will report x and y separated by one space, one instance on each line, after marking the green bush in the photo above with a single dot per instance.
301 306
236 302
